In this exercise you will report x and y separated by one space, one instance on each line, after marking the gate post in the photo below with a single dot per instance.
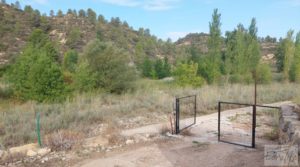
177 117
253 125
219 120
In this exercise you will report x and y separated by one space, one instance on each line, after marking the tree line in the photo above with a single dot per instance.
40 74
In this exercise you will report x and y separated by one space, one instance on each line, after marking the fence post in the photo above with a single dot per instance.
219 120
38 130
177 116
253 125
195 107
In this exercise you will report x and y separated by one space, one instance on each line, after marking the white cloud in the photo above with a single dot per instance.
152 5
160 4
129 3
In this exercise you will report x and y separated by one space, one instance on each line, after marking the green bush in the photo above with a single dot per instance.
35 76
186 75
109 67
263 74
73 38
84 78
70 60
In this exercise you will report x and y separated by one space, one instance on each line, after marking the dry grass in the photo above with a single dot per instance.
63 140
10 158
152 102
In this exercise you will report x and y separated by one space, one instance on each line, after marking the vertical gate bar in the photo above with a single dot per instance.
177 116
219 120
195 108
254 111
253 125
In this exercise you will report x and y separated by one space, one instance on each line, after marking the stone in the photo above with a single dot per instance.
23 149
43 151
128 142
31 153
289 126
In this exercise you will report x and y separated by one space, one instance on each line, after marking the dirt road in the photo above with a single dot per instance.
199 149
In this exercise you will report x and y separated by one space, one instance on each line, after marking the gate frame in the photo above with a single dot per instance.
254 106
177 113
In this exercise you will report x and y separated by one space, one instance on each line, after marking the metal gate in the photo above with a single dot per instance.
227 132
185 112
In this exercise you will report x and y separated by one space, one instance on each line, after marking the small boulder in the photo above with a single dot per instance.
43 151
31 153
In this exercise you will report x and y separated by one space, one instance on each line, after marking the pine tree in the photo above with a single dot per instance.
17 5
35 75
51 13
59 13
82 13
91 15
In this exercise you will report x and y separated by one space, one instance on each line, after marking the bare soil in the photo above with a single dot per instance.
201 148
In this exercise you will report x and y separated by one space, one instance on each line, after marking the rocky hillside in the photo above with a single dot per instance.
73 31
199 40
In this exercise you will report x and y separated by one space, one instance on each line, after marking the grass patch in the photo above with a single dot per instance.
152 100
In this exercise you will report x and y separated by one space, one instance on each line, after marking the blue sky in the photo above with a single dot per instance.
176 18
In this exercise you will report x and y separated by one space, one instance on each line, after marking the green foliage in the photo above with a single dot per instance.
70 60
82 13
242 54
159 68
35 76
59 13
109 66
263 74
295 67
73 38
147 68
208 70
285 54
38 39
186 75
214 48
156 70
91 15
84 78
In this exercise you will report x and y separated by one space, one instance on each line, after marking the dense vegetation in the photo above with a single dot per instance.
112 60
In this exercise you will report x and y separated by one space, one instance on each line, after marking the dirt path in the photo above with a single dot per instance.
200 149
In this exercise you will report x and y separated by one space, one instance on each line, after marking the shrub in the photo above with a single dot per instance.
186 74
36 77
63 140
70 60
84 78
263 74
73 38
109 66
